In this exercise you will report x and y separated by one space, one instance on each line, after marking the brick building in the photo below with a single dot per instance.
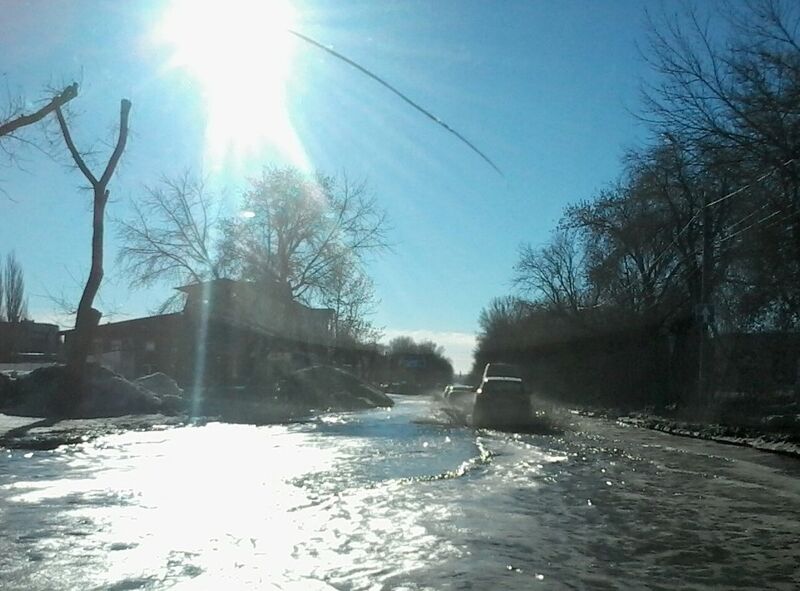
27 340
225 331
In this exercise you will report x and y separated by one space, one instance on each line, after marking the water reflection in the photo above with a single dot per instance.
278 505
383 500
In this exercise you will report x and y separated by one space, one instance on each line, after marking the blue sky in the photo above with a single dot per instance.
546 89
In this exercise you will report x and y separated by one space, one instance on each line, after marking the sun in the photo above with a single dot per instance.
242 56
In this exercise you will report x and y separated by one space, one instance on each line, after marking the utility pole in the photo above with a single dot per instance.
705 309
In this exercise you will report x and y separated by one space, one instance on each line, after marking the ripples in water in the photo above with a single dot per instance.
396 499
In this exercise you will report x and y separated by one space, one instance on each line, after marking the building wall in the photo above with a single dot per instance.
134 348
25 339
227 334
259 307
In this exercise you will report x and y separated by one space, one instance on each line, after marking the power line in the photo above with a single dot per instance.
761 221
748 216
783 219
725 197
753 225
740 190
675 239
763 177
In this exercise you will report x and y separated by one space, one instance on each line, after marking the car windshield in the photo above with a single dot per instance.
432 294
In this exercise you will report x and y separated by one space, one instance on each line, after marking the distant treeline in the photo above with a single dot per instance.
415 366
699 237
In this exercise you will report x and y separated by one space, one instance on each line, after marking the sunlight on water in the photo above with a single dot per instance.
220 500
216 494
382 500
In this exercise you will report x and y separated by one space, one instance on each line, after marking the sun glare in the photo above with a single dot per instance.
241 54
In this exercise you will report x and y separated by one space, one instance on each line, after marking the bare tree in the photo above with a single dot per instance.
730 95
350 293
738 91
502 313
14 282
554 273
627 230
172 236
87 316
300 228
16 116
311 233
2 299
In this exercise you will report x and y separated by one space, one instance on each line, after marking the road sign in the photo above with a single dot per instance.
412 362
704 313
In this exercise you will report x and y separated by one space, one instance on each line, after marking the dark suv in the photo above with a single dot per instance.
501 370
501 400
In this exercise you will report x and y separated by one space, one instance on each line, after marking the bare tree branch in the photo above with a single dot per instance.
173 235
55 104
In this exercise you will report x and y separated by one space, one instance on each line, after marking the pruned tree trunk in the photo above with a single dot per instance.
25 119
87 317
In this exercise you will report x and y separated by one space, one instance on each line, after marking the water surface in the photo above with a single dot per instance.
397 499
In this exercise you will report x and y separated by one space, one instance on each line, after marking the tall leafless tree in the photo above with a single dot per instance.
87 316
554 273
350 293
301 227
731 96
172 236
311 233
16 306
2 299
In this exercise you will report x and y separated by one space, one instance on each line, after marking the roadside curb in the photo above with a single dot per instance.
774 444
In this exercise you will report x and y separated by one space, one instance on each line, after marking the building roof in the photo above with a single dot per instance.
211 282
133 321
262 306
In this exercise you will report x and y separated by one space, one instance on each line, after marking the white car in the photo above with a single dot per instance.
457 390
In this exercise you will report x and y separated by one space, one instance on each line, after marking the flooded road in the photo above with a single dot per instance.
398 499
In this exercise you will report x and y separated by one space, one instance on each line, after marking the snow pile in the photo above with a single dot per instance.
51 392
